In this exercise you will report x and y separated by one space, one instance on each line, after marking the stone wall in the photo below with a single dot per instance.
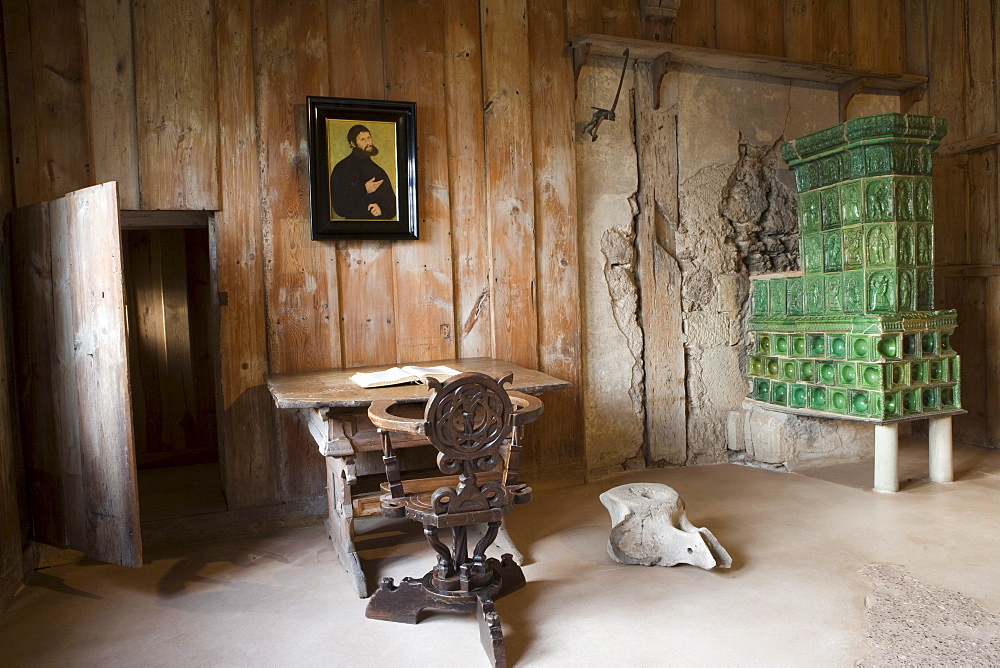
735 215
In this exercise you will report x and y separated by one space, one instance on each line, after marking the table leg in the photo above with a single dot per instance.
886 457
939 447
340 475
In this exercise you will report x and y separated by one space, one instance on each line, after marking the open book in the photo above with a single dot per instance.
402 375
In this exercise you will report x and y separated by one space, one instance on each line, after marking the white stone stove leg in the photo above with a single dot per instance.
886 456
940 449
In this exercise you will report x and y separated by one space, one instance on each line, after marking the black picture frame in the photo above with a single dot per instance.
342 205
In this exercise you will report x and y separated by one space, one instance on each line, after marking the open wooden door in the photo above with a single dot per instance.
70 341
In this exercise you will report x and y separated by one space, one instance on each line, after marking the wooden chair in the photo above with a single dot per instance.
468 420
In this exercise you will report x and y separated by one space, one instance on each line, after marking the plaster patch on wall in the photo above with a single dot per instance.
760 207
618 248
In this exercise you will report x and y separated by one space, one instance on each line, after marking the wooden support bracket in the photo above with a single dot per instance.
910 97
657 70
580 52
846 93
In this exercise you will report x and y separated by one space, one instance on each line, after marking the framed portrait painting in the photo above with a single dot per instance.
362 168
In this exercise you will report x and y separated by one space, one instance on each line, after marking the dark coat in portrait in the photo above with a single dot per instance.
348 194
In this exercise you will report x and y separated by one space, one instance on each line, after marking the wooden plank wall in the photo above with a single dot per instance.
200 104
963 62
14 561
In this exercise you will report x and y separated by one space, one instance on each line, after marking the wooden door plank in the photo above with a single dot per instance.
466 176
65 402
509 182
58 57
175 104
104 409
557 439
247 456
425 316
877 35
364 268
291 62
111 86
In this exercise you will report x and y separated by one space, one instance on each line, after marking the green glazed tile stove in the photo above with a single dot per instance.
854 335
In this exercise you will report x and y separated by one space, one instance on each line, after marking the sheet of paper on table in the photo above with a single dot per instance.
402 375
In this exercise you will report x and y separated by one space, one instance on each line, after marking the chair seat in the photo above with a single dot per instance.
419 506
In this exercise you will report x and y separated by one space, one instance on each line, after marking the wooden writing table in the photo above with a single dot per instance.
337 413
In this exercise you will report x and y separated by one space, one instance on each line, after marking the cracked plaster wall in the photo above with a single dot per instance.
735 215
607 180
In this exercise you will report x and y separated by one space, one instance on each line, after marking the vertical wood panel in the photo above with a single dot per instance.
364 268
947 52
111 84
660 276
425 318
145 330
203 328
877 35
13 510
621 18
21 86
695 24
510 190
734 25
466 177
58 55
582 17
831 31
558 438
300 274
248 457
32 317
915 24
799 20
175 102
981 119
750 26
968 295
991 345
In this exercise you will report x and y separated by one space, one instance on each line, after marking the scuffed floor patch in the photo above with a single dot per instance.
915 624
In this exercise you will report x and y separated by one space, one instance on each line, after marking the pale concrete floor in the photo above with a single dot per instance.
794 596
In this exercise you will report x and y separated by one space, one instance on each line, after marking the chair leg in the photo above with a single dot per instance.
402 603
491 633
